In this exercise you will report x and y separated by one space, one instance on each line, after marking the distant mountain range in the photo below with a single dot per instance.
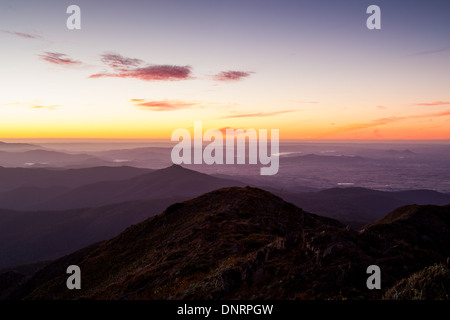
51 189
69 209
171 181
45 158
104 208
6 146
12 178
25 155
26 237
46 189
245 243
359 206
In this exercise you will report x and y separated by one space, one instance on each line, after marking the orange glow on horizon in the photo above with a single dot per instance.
139 134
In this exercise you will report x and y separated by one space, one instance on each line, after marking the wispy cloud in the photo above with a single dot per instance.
58 58
164 105
385 121
117 61
427 52
257 114
123 67
436 103
35 104
236 131
382 107
231 75
13 104
23 35
52 107
151 73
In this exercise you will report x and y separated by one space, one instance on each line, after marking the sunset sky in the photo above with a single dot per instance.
141 69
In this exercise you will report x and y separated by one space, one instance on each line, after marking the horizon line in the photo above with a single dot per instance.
141 140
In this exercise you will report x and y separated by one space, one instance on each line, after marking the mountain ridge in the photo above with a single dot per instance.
11 178
27 236
243 243
174 180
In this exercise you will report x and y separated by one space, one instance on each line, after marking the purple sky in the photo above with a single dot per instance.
144 68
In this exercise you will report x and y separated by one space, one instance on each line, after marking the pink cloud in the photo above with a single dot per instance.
388 120
58 58
165 105
231 75
150 73
258 114
23 35
117 61
123 67
436 103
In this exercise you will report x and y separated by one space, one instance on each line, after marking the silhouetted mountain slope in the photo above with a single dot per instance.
8 281
245 243
11 278
28 198
423 226
431 283
39 235
412 237
359 206
171 181
12 178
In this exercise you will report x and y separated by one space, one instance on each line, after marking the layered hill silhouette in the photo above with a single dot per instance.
4 146
359 206
103 209
43 158
47 189
246 243
172 181
50 189
27 189
13 178
26 237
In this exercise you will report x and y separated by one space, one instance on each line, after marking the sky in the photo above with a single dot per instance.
142 69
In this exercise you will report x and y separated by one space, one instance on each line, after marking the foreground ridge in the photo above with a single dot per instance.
246 243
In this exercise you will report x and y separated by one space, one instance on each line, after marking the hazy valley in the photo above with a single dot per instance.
60 199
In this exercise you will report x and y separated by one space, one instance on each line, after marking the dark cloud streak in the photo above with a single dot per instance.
58 58
231 75
119 62
123 67
23 35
